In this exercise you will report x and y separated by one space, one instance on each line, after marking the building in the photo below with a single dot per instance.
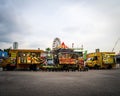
15 45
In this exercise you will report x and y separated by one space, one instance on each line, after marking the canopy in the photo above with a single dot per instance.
63 46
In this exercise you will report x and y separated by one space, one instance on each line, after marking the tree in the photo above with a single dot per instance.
7 50
1 50
48 49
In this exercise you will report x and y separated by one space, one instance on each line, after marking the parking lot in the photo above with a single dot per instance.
38 83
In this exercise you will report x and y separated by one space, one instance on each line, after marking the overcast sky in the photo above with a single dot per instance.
35 23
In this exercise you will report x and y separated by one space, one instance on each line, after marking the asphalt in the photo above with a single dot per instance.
31 83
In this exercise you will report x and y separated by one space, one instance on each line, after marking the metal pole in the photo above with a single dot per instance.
115 44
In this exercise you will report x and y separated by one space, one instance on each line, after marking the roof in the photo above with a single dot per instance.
25 50
63 45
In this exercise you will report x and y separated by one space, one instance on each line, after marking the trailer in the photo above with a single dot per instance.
65 60
117 60
117 57
22 59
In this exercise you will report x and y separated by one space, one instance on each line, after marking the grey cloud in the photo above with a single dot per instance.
8 22
71 29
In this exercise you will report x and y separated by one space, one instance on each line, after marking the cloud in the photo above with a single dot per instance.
6 23
34 24
12 25
9 22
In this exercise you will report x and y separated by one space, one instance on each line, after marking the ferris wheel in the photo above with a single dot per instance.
56 43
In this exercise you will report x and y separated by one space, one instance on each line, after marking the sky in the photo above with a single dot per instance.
36 23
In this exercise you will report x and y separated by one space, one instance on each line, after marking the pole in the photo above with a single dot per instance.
115 44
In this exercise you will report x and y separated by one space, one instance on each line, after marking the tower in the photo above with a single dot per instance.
15 45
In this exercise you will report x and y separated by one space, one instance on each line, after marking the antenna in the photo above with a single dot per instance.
115 44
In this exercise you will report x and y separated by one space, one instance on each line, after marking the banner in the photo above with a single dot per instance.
85 55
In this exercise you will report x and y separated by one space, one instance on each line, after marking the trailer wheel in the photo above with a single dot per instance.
109 67
87 68
96 66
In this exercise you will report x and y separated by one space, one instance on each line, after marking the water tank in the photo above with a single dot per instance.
97 50
15 45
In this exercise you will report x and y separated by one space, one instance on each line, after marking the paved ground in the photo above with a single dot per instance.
91 83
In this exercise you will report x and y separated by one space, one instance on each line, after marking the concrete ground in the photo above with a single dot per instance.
30 83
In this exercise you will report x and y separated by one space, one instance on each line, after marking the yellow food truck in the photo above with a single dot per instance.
101 60
23 59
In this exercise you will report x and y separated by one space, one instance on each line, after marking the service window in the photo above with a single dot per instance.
95 58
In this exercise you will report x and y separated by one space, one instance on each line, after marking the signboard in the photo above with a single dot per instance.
13 55
78 49
66 61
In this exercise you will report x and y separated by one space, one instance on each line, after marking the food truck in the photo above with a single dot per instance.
23 59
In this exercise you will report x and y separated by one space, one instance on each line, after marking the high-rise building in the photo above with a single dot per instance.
15 45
